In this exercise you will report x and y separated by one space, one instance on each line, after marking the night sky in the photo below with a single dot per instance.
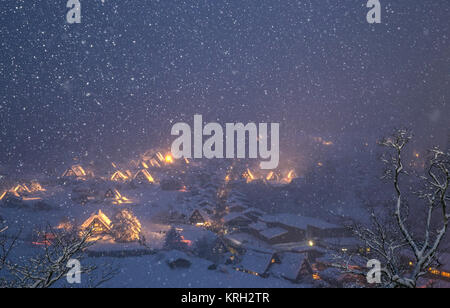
114 85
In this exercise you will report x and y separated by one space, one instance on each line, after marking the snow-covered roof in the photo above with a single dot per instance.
100 217
240 207
174 255
233 216
273 232
205 215
258 226
256 262
253 210
299 247
300 222
291 264
248 241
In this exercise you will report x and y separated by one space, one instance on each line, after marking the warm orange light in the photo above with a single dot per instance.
168 159
323 141
249 176
79 171
316 277
188 242
31 199
270 176
119 176
289 177
21 189
434 271
146 174
154 163
119 199
35 186
160 156
2 196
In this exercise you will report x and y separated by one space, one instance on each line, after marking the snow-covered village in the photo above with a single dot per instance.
319 154
188 223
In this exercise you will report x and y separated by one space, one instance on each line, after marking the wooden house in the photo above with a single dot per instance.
199 218
99 223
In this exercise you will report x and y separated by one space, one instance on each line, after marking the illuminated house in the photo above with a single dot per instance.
22 189
257 263
120 176
200 218
442 271
76 171
99 223
293 267
110 194
144 176
114 196
220 246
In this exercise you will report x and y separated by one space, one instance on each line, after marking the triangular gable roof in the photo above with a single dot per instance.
10 195
204 215
145 176
120 176
110 194
256 262
291 266
75 171
22 188
100 216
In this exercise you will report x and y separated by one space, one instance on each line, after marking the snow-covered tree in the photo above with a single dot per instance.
50 267
207 247
174 240
390 241
127 227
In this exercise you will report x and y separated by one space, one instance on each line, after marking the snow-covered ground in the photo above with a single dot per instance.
153 271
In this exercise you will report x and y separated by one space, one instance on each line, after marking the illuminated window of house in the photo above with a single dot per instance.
434 271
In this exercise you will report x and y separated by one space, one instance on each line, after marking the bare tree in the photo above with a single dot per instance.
390 240
50 267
